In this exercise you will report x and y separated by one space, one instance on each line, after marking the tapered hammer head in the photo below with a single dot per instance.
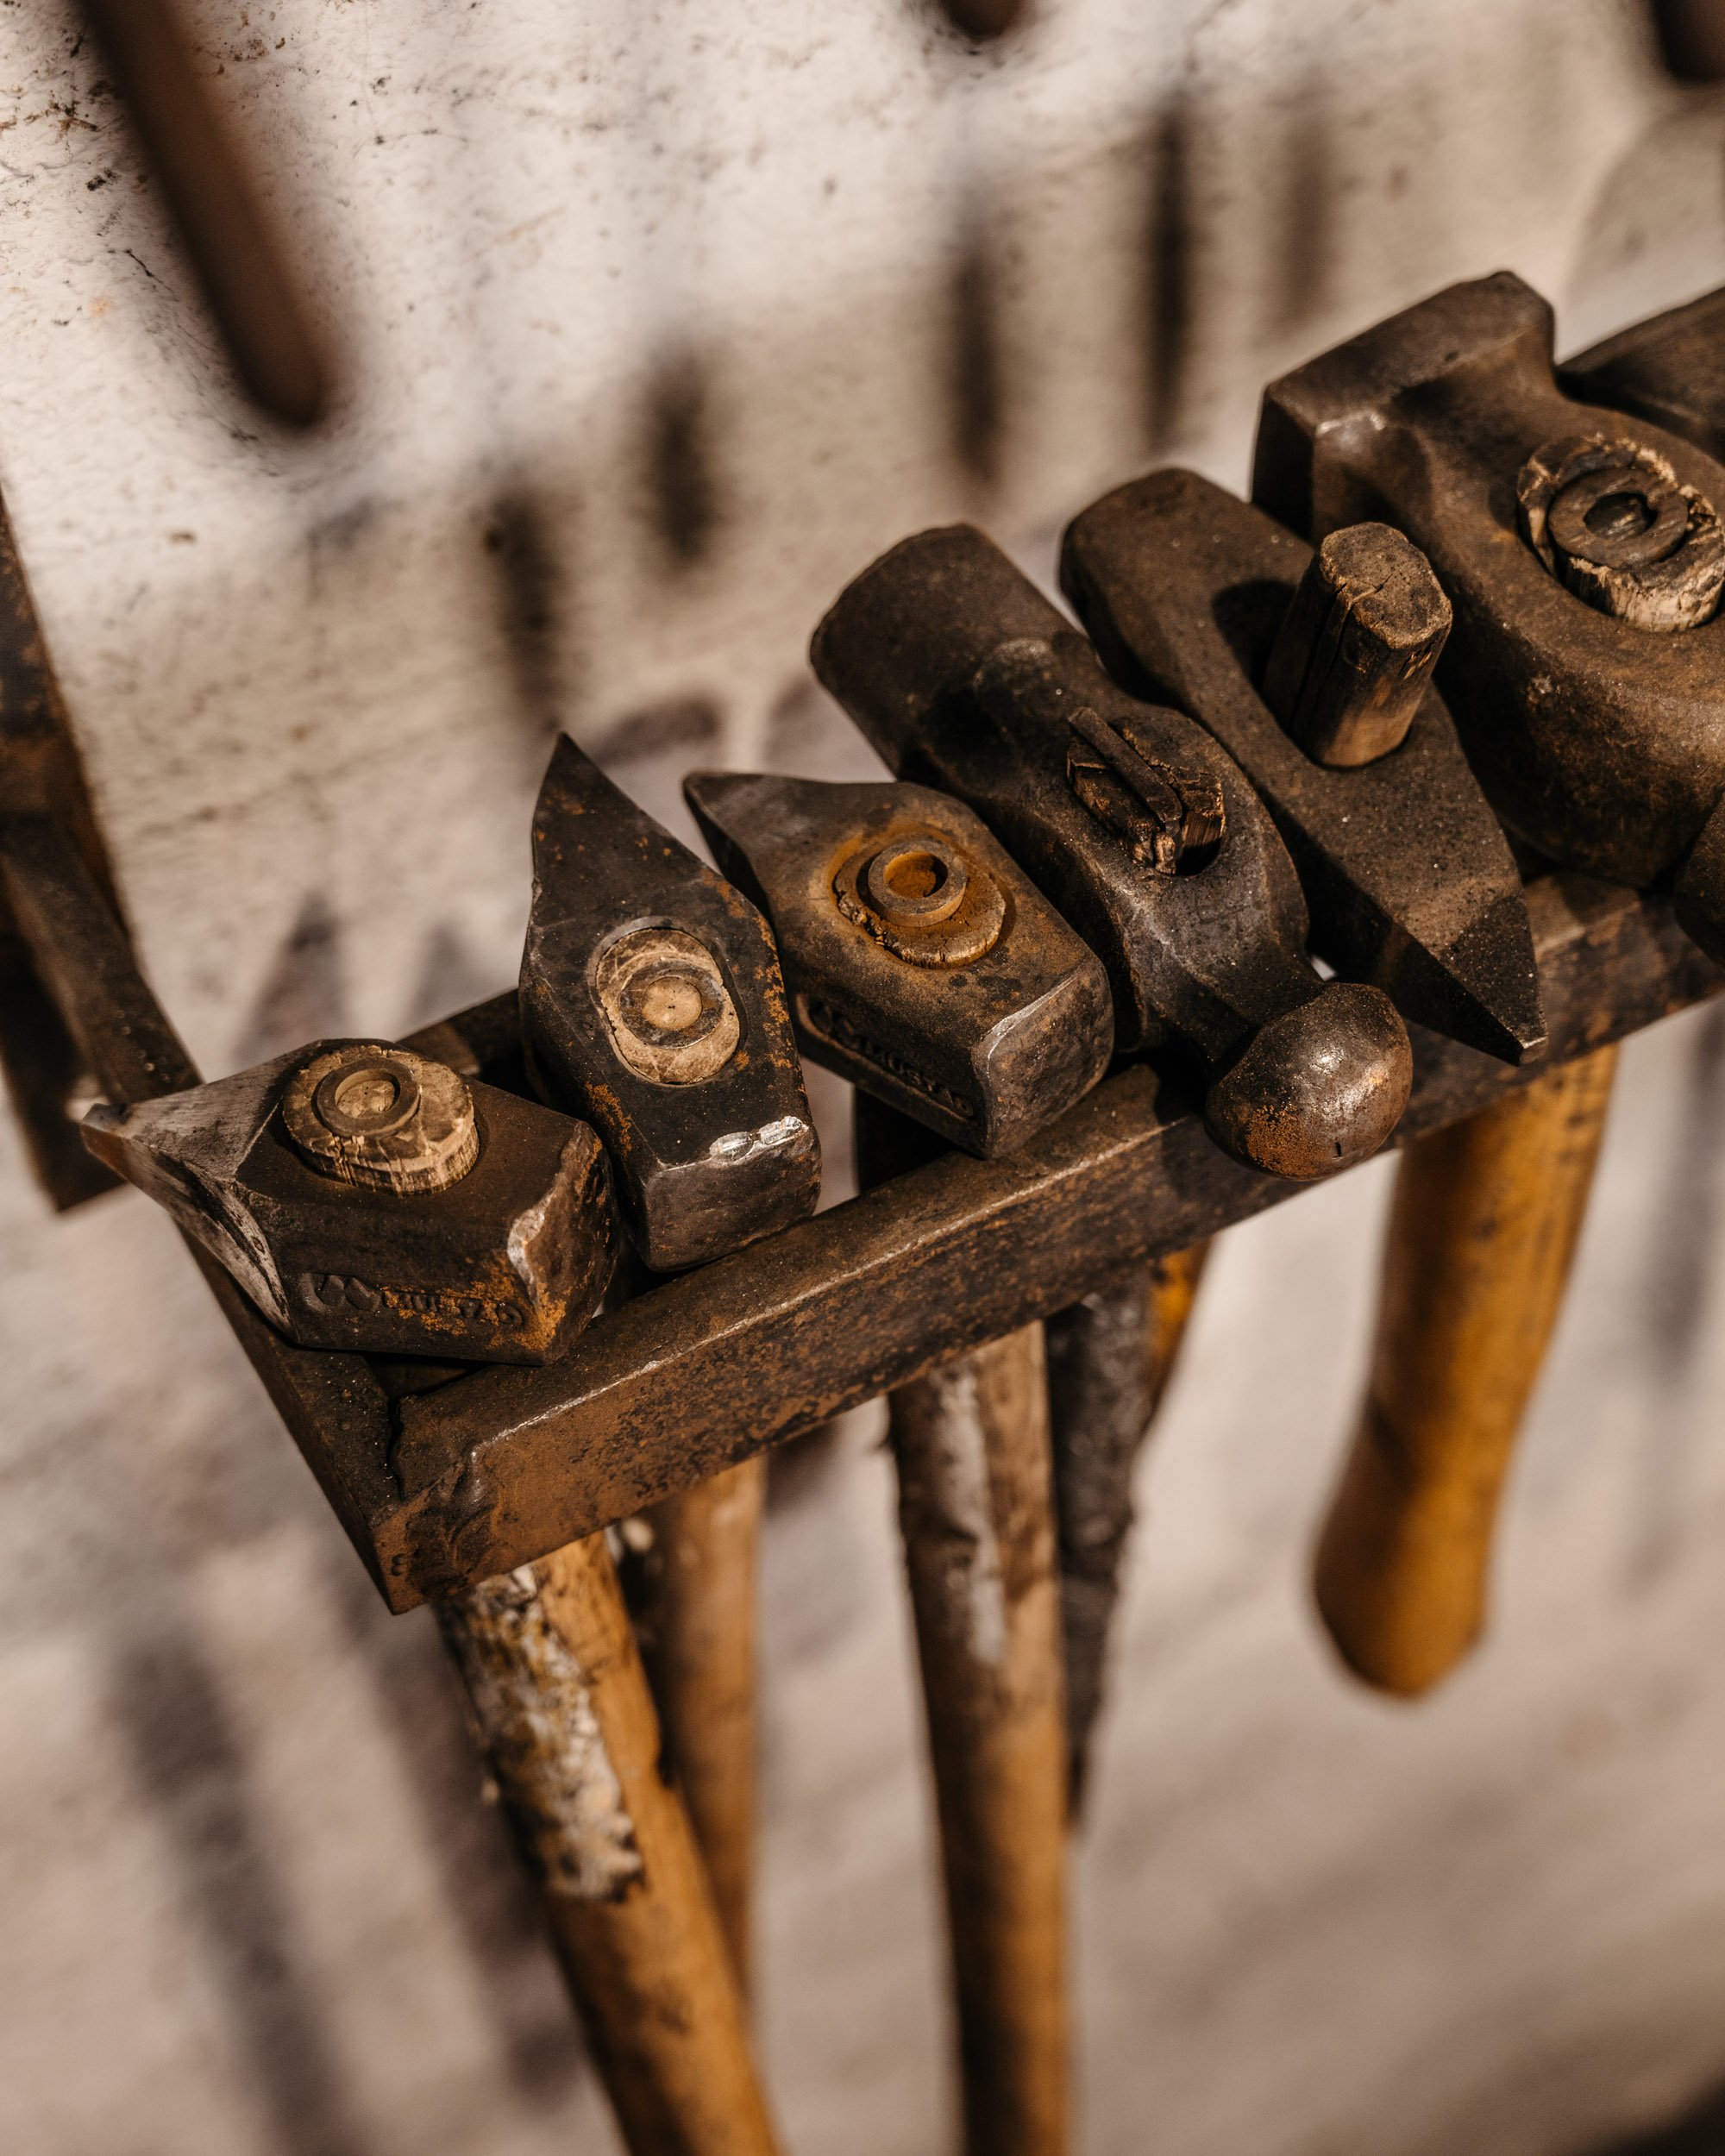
1139 827
922 963
651 1002
369 1199
1287 656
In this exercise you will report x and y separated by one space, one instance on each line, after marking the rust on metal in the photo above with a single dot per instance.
1409 881
1146 834
769 1343
479 1226
651 1003
1599 744
922 963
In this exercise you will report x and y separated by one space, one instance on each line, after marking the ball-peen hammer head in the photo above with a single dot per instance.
922 964
1196 597
651 1003
1141 830
371 1200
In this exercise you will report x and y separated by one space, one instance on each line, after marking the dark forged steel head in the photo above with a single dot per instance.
1584 556
651 1003
1137 825
1669 369
1409 879
922 963
371 1200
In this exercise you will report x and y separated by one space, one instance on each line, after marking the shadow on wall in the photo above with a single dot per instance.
1698 2132
190 1766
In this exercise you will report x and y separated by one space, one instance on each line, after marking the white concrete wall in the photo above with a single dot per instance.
659 320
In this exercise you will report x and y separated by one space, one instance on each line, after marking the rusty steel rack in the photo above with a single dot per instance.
443 1476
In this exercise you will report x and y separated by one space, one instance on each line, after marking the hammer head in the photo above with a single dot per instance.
1580 549
1133 821
651 1002
922 963
371 1200
1670 370
1190 594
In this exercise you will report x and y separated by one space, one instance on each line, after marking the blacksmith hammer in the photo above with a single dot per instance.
1584 558
360 1157
651 1002
1314 672
922 964
1141 830
369 1199
925 966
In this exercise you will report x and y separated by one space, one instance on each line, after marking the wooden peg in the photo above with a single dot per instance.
1482 1236
560 1702
976 1506
1358 646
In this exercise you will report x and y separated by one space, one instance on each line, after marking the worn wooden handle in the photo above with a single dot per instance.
560 1701
699 1641
1110 1358
976 1506
1481 1235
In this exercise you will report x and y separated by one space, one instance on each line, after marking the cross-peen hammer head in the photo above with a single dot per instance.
372 1200
1197 599
923 965
1582 553
651 1002
1141 830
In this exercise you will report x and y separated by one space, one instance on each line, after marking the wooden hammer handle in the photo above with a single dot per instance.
976 1506
1481 1235
1110 1359
561 1704
702 1662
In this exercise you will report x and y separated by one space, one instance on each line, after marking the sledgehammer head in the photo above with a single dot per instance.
922 964
372 1200
1138 826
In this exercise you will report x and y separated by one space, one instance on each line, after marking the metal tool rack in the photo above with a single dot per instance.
443 1476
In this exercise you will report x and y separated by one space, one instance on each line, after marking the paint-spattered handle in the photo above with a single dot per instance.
559 1701
1482 1236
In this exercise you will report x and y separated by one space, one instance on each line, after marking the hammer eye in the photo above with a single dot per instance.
1619 516
670 1016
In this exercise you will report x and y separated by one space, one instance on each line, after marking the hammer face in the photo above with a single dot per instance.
1137 825
922 964
504 1263
1599 740
651 1001
1408 877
